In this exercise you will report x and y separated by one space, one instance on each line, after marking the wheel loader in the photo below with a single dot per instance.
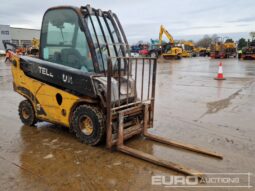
85 79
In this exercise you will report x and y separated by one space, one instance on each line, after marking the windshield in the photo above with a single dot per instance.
63 42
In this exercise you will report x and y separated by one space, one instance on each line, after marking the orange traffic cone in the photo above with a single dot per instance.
220 73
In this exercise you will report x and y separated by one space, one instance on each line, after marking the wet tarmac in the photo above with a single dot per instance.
191 107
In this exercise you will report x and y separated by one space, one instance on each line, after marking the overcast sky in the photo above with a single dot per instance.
141 19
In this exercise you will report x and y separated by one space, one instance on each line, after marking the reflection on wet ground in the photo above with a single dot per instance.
190 107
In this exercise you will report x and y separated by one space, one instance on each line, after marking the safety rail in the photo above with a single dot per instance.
137 77
130 67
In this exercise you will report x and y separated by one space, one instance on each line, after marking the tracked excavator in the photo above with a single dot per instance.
167 50
84 79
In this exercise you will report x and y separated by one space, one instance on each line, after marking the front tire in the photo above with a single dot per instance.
88 124
27 113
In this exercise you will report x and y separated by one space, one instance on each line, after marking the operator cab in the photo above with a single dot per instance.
75 45
81 38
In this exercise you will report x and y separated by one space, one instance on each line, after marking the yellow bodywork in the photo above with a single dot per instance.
217 47
188 48
174 52
229 45
43 96
189 43
220 47
199 49
185 54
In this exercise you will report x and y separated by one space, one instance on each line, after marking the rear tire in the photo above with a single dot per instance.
88 124
27 113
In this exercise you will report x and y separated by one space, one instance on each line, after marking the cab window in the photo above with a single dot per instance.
97 31
63 41
99 42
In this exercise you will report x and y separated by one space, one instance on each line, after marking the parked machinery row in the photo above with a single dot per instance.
221 49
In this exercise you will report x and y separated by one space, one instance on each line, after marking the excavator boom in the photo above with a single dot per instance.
168 35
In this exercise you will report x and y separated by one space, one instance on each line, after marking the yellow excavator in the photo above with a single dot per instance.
169 50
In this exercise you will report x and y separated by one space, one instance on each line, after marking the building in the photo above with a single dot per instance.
18 36
5 35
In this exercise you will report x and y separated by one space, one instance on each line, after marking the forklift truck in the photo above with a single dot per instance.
85 79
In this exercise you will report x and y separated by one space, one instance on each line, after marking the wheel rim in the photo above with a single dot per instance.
86 125
25 113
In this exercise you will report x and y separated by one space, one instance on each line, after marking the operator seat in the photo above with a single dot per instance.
72 58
